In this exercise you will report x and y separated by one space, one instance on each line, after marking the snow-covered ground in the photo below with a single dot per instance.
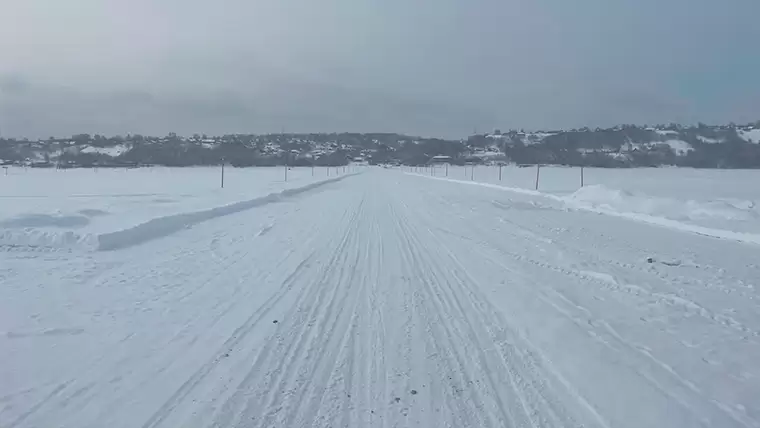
725 200
73 208
679 147
112 151
752 135
385 299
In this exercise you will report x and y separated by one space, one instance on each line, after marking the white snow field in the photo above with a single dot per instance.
385 299
722 203
95 208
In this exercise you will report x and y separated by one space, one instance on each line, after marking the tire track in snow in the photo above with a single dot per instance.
602 258
273 378
346 400
313 379
51 395
279 347
520 257
451 305
600 329
648 365
443 331
66 403
237 336
531 404
534 401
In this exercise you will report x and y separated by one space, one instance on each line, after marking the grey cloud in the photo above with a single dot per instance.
302 107
13 84
434 67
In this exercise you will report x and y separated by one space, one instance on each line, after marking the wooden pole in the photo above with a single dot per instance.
538 173
581 176
222 173
447 170
499 172
472 173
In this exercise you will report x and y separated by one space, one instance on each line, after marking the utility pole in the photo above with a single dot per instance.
581 176
222 173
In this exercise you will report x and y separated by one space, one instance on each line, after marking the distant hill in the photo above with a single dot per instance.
703 146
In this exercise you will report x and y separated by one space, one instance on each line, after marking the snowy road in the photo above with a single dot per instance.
387 300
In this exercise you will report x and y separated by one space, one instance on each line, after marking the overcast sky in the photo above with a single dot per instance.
425 67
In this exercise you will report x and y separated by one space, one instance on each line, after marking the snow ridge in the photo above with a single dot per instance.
581 201
164 226
39 239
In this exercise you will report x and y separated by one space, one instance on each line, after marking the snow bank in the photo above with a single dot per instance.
48 231
164 226
716 218
685 216
725 219
598 196
46 239
74 209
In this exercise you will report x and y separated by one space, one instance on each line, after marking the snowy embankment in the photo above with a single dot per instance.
706 202
109 209
719 218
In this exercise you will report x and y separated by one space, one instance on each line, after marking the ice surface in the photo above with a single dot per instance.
387 299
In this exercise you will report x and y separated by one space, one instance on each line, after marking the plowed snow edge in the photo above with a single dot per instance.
744 238
164 226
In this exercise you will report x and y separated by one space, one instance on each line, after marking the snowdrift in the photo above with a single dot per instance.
733 219
720 218
164 226
41 231
599 196
47 239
